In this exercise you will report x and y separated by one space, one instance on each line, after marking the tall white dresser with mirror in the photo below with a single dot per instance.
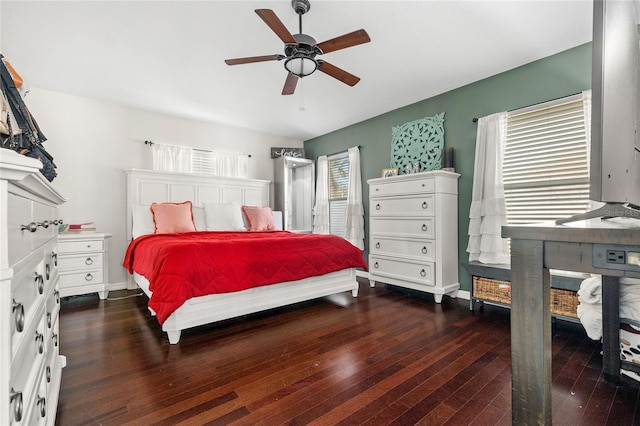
30 362
413 232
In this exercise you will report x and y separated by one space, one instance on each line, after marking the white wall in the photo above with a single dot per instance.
92 142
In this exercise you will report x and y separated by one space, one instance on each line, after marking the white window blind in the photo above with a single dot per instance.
220 163
545 168
338 186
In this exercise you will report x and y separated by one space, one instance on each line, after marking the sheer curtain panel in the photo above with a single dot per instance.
321 208
172 158
355 210
488 209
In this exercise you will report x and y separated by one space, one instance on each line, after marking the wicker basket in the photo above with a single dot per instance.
563 302
493 290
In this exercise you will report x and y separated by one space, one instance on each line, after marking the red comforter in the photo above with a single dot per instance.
190 264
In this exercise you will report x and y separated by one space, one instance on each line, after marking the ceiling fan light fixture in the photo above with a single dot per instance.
301 65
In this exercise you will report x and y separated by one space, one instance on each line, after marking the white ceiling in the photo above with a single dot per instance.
168 56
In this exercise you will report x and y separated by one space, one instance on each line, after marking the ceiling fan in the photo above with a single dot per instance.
300 50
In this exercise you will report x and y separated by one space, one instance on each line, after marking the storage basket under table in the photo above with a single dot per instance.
563 302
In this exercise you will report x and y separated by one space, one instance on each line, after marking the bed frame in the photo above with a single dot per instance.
145 187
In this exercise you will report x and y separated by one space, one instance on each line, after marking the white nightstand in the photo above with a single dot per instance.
83 263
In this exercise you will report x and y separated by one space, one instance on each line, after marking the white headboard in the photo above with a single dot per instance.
148 186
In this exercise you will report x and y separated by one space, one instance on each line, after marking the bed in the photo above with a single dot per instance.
144 188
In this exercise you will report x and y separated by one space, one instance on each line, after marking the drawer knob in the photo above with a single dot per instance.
378 245
47 272
39 280
32 227
88 261
425 205
424 250
54 256
49 322
56 294
88 277
54 337
378 206
40 342
48 374
16 399
423 273
375 265
18 311
44 224
424 227
42 404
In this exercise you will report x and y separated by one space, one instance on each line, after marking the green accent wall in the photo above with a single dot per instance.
563 74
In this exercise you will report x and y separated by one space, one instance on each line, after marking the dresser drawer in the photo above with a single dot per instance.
26 367
80 246
83 278
414 186
423 228
83 262
43 215
405 206
424 250
418 272
18 240
27 293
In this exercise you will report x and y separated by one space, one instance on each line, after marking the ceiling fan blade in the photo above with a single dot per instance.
251 59
276 25
342 42
290 84
338 73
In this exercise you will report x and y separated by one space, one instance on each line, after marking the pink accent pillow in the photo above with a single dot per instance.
172 217
259 218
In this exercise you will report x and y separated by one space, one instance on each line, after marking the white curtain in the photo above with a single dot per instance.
488 211
355 210
227 164
321 208
172 158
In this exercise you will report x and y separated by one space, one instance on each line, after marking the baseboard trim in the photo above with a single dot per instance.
464 295
117 286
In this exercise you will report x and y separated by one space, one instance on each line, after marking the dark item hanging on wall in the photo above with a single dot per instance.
24 135
287 152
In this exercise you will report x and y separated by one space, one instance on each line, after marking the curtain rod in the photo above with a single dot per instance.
195 149
343 151
475 119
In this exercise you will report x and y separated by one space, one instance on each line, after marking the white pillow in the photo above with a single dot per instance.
142 221
198 218
223 217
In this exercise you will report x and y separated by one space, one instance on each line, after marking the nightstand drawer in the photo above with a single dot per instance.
82 262
77 279
80 246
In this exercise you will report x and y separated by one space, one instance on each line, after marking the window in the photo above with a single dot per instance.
338 186
545 167
220 163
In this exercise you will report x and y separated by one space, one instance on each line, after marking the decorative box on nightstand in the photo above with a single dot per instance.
83 263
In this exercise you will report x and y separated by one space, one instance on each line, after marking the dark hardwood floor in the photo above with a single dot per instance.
386 357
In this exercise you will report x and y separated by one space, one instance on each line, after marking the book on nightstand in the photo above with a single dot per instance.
77 228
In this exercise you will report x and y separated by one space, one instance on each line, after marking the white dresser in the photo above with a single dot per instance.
30 363
413 232
83 263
